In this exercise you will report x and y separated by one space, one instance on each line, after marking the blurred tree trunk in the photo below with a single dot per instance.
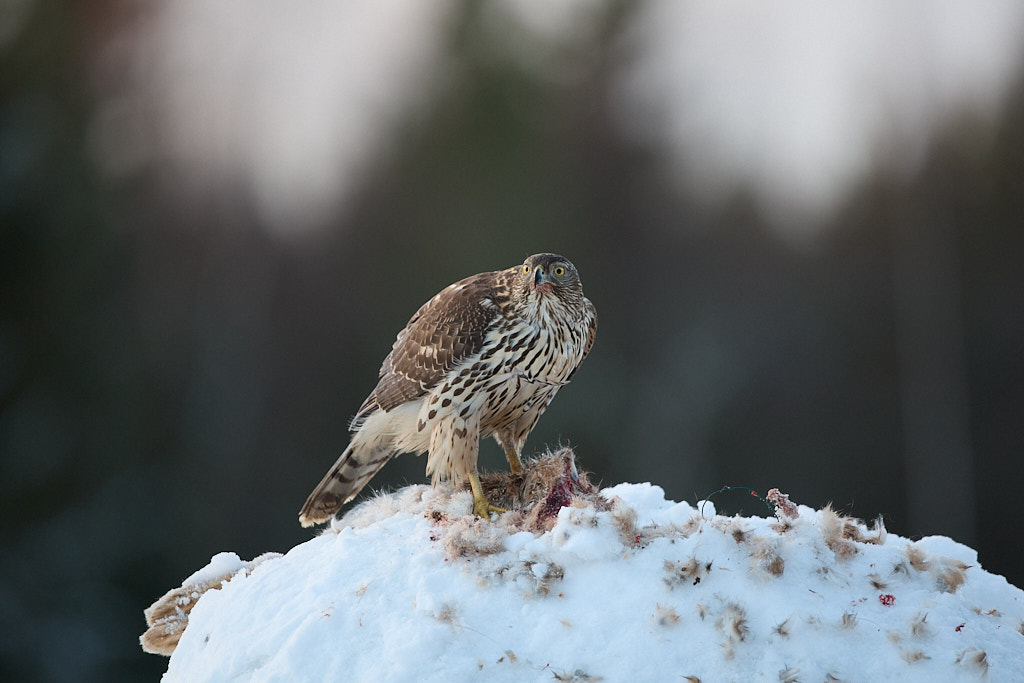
933 381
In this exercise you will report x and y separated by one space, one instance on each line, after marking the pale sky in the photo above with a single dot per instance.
792 95
292 99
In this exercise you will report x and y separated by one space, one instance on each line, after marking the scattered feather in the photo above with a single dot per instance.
782 628
911 656
665 616
789 675
975 659
919 626
577 676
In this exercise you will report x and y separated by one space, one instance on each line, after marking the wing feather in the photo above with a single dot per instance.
444 331
590 313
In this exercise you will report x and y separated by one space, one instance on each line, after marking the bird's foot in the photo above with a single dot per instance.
483 508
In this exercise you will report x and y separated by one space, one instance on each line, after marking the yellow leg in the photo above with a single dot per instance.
481 506
514 463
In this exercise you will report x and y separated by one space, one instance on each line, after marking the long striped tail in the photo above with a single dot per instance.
343 482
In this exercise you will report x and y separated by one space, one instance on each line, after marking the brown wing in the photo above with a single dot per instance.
444 331
592 314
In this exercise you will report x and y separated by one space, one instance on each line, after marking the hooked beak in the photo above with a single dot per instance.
540 280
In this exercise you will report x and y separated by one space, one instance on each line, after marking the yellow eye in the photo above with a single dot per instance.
559 271
526 270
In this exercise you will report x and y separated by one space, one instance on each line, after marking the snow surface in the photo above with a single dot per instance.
221 564
411 587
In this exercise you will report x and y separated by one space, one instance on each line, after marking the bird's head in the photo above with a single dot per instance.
548 274
543 275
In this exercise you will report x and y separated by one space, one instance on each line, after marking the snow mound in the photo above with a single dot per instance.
617 585
168 616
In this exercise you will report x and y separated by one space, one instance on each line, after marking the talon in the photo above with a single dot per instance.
481 506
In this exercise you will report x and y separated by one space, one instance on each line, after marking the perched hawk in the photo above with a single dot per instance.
484 357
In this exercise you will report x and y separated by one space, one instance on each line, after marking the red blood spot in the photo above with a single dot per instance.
559 497
961 626
561 493
887 599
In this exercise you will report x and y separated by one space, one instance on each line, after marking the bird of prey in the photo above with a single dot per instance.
484 357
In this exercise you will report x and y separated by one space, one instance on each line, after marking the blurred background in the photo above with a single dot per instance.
801 225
